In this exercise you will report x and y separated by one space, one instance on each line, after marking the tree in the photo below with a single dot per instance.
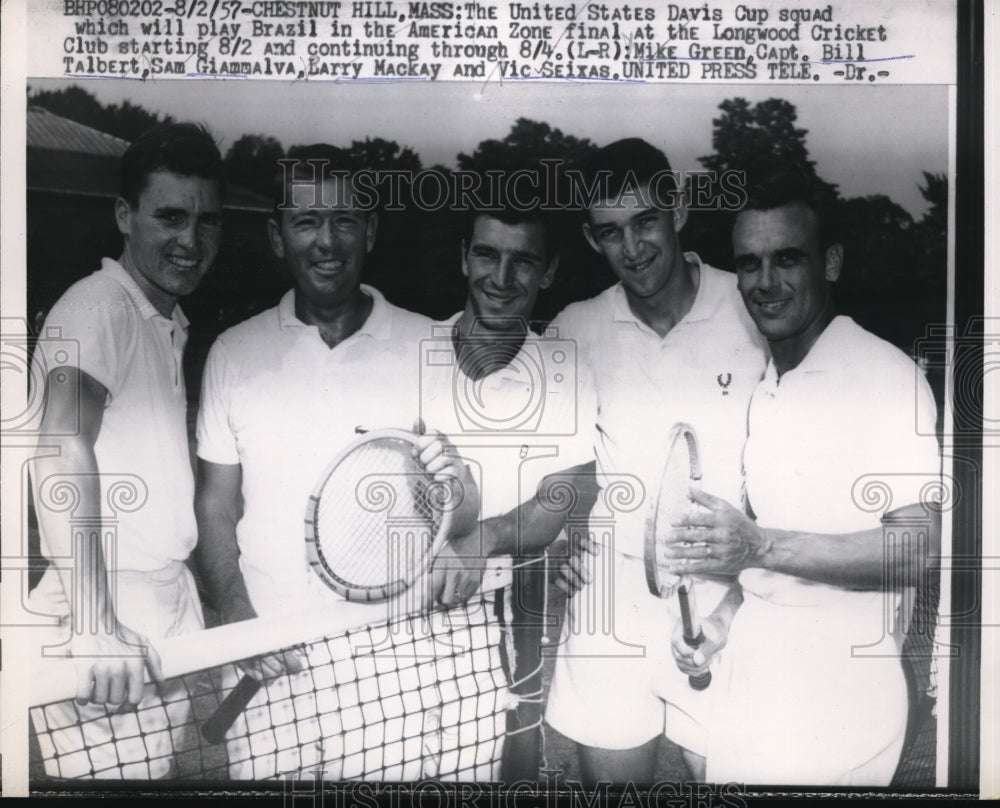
252 162
126 121
751 139
934 225
932 237
379 154
525 146
754 139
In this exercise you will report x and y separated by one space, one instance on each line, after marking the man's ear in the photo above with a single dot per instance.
371 228
123 217
589 235
274 237
550 273
834 262
465 260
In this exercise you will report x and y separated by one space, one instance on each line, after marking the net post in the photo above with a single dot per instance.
528 623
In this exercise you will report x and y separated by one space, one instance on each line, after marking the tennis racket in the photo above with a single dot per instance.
373 525
681 472
691 627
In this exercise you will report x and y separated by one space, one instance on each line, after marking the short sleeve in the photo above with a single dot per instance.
91 327
216 440
578 448
916 452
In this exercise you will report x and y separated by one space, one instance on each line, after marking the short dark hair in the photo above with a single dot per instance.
187 149
627 164
313 163
777 186
512 215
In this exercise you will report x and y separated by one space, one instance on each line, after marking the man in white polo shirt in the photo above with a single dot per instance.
283 393
841 471
117 417
508 399
669 342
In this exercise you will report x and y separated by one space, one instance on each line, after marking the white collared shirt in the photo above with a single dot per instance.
281 403
702 372
514 425
107 327
843 438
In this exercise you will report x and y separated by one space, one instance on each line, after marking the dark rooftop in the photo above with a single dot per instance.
66 157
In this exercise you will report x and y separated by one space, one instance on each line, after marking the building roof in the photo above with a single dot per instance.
46 130
66 157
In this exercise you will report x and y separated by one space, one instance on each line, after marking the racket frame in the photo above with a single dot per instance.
655 576
346 589
654 572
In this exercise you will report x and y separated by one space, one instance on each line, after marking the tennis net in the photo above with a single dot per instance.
412 697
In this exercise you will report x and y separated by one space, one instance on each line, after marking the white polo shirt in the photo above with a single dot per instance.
813 688
514 425
834 444
281 403
107 327
702 372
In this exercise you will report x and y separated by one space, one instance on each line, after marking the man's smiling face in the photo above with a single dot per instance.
507 265
171 235
638 237
323 238
784 274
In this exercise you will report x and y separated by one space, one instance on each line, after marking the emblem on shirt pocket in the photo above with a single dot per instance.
724 380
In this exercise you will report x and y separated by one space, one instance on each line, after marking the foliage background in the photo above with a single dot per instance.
895 275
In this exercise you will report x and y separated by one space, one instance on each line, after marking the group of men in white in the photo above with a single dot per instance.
792 402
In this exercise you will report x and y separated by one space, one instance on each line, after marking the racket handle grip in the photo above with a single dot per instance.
699 681
215 728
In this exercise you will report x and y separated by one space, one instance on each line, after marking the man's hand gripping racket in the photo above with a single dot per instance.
681 472
380 513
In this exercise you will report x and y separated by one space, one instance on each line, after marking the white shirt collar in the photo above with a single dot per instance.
825 355
701 307
511 368
146 309
378 324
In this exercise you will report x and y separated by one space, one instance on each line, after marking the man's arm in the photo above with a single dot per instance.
217 508
724 539
526 530
113 656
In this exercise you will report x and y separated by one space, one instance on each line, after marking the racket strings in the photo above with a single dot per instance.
376 515
673 502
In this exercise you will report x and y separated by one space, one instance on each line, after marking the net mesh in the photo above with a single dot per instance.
376 515
407 699
918 762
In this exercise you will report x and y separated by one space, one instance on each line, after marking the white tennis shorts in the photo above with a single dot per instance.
616 685
91 741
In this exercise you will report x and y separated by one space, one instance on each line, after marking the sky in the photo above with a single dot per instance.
868 140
